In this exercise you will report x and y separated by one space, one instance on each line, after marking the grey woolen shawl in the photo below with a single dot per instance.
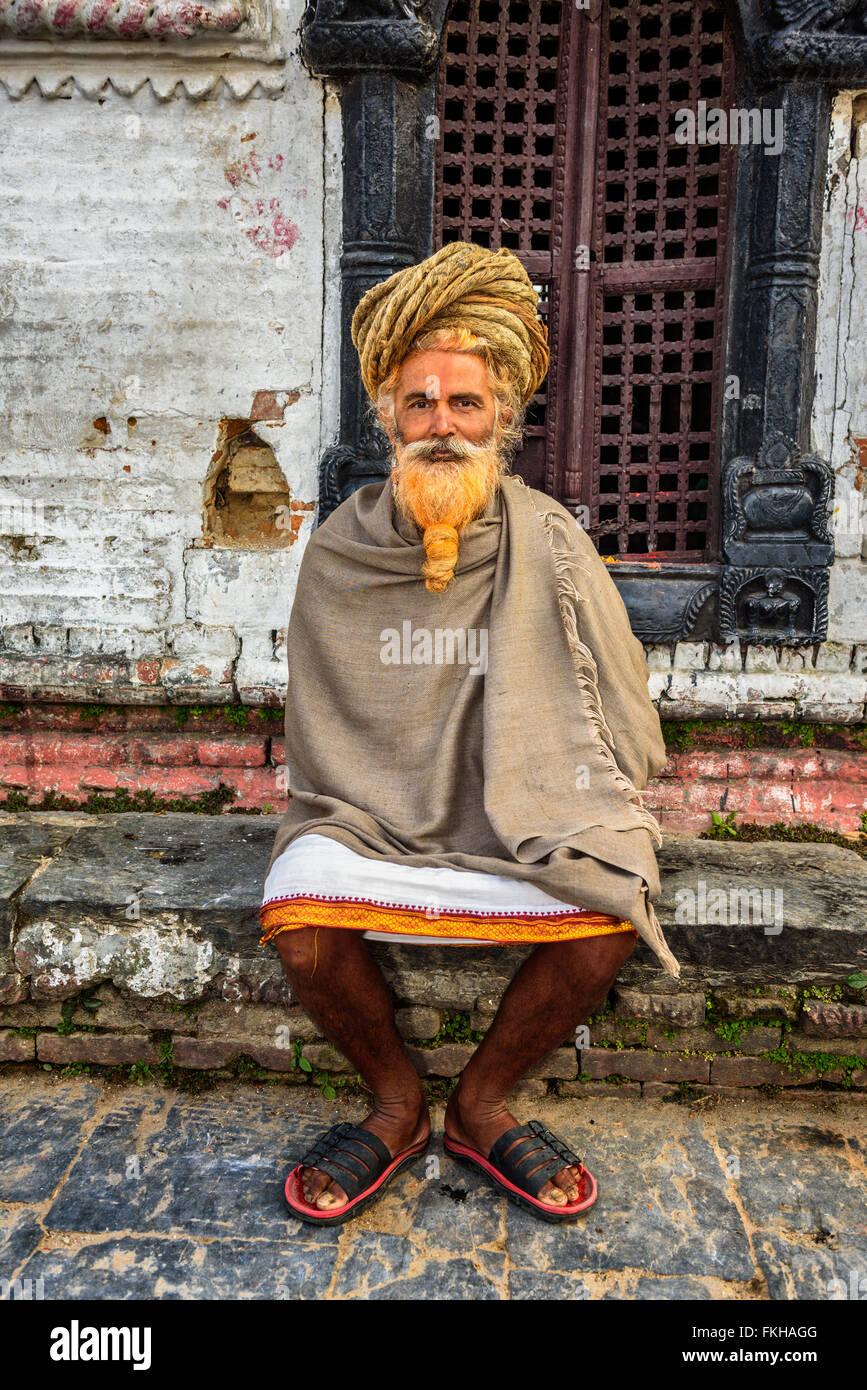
532 769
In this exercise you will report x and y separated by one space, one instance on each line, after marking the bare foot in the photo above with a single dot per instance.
480 1126
399 1126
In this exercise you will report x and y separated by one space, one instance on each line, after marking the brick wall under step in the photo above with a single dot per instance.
643 1044
49 749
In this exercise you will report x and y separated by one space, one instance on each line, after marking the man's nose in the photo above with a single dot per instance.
441 421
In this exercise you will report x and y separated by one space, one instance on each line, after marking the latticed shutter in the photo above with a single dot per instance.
557 140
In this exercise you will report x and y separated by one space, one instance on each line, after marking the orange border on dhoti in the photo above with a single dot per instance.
293 914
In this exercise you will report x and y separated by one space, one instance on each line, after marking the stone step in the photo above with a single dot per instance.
165 906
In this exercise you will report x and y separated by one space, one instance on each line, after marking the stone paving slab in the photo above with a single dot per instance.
139 1193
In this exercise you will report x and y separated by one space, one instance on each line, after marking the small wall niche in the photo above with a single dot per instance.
247 499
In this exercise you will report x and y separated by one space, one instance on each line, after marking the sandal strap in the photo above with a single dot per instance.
344 1153
538 1149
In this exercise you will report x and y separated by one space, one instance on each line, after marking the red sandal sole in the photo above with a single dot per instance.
473 1159
293 1193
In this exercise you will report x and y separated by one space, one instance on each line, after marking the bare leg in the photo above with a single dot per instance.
336 979
556 988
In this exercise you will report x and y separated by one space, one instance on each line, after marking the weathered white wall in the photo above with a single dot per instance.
165 260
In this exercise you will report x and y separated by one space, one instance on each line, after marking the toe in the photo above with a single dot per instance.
568 1182
332 1196
553 1194
312 1184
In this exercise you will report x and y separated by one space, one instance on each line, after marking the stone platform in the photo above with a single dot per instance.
132 940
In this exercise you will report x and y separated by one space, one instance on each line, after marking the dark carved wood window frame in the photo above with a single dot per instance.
770 583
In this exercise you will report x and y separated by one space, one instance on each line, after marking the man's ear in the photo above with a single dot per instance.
386 421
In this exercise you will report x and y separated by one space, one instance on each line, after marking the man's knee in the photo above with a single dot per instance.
299 949
597 959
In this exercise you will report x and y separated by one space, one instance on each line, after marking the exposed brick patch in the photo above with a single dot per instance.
109 1049
231 752
847 1047
706 1040
267 1056
48 747
200 1055
832 1020
266 1025
605 1089
680 1009
759 1071
448 1060
821 785
13 989
14 1048
731 1004
639 1065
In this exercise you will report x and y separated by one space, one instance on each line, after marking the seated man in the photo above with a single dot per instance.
468 728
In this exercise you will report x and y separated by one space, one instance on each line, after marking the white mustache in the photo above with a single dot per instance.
458 448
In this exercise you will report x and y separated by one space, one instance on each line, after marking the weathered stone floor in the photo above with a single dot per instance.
145 1193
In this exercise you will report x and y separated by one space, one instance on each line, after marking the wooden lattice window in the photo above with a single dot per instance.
557 139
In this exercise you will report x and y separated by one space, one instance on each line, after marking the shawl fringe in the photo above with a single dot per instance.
669 961
568 595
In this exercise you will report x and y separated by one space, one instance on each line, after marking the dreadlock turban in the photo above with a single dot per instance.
461 285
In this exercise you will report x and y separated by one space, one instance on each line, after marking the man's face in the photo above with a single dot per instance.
442 396
447 463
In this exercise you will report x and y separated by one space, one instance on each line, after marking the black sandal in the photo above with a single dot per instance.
514 1175
358 1160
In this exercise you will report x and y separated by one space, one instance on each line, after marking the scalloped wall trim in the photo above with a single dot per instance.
197 85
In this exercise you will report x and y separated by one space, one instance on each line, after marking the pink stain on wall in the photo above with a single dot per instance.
274 233
243 170
276 238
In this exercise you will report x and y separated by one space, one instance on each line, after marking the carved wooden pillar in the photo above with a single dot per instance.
380 52
777 496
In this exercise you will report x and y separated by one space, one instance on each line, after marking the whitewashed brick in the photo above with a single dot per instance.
761 658
115 641
248 590
657 684
191 639
50 639
705 687
657 658
848 520
834 656
796 659
847 600
826 712
18 637
724 656
690 656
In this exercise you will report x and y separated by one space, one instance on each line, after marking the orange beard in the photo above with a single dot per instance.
451 491
442 496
